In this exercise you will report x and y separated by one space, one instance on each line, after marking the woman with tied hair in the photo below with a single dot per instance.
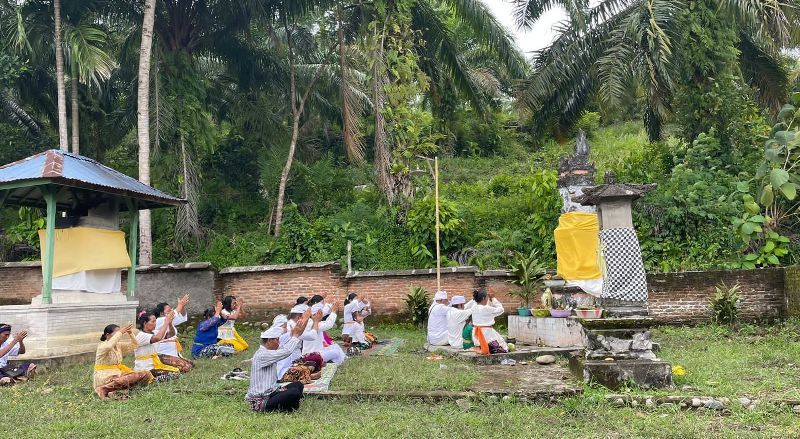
11 347
147 359
232 310
110 375
169 349
353 314
205 339
484 335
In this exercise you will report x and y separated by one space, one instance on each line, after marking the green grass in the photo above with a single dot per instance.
753 361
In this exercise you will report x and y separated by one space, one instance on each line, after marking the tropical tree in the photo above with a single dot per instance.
143 126
60 89
619 46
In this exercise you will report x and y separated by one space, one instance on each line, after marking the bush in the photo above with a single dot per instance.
417 304
725 304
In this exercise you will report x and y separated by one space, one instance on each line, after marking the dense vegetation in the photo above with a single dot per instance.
293 127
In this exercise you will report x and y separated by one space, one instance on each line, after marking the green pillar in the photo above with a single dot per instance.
49 245
133 245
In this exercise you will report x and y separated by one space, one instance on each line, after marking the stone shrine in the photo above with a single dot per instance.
576 173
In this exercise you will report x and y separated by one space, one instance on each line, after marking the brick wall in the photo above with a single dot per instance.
684 297
19 282
791 283
675 298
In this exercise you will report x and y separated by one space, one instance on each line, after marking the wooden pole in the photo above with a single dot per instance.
349 256
438 252
49 245
133 241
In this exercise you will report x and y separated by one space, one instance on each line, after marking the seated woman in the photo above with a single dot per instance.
110 375
232 309
205 339
355 311
147 338
315 342
169 349
484 335
11 347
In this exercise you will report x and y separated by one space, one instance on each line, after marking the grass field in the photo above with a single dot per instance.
761 362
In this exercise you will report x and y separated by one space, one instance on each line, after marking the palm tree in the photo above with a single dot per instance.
60 89
618 46
143 126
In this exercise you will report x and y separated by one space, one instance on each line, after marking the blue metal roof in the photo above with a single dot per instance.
61 168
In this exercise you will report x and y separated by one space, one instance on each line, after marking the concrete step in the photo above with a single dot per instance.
523 353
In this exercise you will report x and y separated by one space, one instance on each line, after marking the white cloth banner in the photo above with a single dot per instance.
92 281
590 286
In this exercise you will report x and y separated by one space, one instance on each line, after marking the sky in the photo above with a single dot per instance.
537 38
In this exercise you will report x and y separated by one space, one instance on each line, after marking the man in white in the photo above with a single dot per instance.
437 320
457 316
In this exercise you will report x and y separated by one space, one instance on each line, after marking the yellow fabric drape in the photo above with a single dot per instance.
121 367
82 248
238 342
157 364
576 246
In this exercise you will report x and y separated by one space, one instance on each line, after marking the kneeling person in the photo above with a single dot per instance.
264 395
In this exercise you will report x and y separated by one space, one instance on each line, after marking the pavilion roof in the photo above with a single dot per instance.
81 181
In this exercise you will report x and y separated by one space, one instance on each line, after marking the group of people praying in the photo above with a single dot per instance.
466 325
293 350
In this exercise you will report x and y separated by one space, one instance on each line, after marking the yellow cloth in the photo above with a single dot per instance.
157 364
238 342
120 367
576 246
108 360
82 248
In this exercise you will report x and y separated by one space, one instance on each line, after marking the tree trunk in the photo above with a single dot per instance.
143 127
285 174
383 157
76 149
63 139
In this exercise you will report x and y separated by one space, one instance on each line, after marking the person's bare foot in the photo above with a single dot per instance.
5 381
102 393
316 376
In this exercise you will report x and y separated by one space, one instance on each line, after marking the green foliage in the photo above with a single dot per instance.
725 304
529 272
421 223
418 302
589 122
26 231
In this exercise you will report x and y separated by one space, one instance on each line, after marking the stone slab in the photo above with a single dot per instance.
648 374
523 353
546 331
531 381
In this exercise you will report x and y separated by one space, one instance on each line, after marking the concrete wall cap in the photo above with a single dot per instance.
23 264
283 267
416 272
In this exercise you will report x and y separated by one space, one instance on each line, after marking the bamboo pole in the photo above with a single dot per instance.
438 252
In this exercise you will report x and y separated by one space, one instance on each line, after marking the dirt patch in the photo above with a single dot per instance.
527 380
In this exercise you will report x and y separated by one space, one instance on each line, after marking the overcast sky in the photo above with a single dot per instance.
539 37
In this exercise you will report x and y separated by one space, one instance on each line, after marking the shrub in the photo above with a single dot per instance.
417 305
725 304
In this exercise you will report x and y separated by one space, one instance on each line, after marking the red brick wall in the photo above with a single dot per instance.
684 297
387 293
268 289
19 282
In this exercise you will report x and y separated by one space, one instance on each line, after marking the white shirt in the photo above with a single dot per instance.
168 346
351 308
314 341
456 318
12 353
308 335
225 331
437 324
483 315
143 348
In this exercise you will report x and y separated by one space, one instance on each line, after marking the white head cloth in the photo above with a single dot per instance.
272 332
279 320
298 309
440 295
457 300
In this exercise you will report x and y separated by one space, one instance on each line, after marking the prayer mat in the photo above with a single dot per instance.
323 384
385 348
625 278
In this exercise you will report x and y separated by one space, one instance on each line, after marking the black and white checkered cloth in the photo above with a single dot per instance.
625 278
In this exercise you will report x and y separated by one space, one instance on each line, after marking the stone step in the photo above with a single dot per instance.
523 353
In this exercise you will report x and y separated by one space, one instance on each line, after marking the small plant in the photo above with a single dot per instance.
417 304
725 304
560 303
529 273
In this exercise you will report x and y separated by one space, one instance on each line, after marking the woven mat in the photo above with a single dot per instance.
385 348
323 384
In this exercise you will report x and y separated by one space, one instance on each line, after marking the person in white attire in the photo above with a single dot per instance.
457 317
310 333
437 320
315 342
169 349
355 310
147 338
294 362
484 335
